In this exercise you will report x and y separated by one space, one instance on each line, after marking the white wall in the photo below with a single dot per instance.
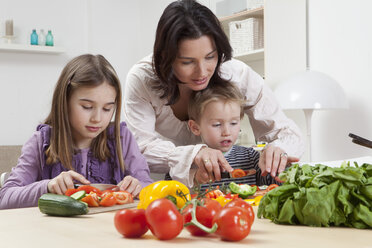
124 31
26 79
340 45
285 46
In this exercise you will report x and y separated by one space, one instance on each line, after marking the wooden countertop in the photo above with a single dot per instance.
28 227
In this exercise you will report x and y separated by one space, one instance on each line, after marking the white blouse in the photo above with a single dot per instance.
169 145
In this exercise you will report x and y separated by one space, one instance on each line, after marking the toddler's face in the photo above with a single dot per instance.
220 124
90 112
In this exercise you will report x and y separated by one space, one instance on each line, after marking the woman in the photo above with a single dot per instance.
191 52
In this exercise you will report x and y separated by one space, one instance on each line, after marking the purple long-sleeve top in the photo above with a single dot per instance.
29 179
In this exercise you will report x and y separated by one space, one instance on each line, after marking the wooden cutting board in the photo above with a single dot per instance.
96 210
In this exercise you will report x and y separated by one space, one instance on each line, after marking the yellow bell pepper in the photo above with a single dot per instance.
222 200
163 189
255 201
250 201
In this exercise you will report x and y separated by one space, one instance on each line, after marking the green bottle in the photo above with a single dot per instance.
34 37
49 39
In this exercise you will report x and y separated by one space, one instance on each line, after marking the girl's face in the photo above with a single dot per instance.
196 61
219 125
90 112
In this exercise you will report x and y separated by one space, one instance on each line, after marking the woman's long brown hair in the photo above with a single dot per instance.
84 70
184 19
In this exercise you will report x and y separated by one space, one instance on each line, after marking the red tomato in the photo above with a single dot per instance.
193 196
89 189
203 215
233 223
214 194
212 205
238 173
91 199
131 223
231 196
243 204
272 186
69 192
210 195
163 219
105 192
123 197
108 200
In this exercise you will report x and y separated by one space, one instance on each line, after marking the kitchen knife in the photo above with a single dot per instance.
360 141
101 186
247 173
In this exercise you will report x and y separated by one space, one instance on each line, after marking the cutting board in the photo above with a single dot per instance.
96 210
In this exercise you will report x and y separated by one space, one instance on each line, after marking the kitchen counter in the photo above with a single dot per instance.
28 227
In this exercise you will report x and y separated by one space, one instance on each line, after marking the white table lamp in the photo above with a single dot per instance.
310 90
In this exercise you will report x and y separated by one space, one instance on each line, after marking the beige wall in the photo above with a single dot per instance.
9 157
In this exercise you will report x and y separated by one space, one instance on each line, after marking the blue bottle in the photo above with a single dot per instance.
34 37
49 39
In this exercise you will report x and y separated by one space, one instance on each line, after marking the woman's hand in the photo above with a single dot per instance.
210 162
131 185
273 161
64 181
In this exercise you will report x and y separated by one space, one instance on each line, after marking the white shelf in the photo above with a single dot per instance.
252 56
259 12
31 48
240 16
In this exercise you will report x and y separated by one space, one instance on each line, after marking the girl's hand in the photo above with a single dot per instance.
131 185
64 181
210 162
273 161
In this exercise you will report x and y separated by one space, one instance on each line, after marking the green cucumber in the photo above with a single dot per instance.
61 205
78 195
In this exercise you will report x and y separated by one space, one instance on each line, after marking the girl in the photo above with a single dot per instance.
191 53
77 142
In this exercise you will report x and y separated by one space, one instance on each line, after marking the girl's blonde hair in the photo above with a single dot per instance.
84 70
226 92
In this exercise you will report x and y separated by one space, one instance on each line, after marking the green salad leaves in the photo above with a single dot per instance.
321 196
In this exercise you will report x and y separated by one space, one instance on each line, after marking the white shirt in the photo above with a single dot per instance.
169 145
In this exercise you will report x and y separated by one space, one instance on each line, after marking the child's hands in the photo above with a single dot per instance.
64 181
131 185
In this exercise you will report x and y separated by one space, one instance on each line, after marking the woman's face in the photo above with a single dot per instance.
195 62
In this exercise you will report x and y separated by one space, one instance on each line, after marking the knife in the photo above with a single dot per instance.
247 173
101 186
360 141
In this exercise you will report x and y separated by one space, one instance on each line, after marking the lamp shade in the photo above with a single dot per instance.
310 90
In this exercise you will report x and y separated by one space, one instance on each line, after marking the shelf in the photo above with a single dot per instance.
31 48
251 56
240 16
259 12
243 15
